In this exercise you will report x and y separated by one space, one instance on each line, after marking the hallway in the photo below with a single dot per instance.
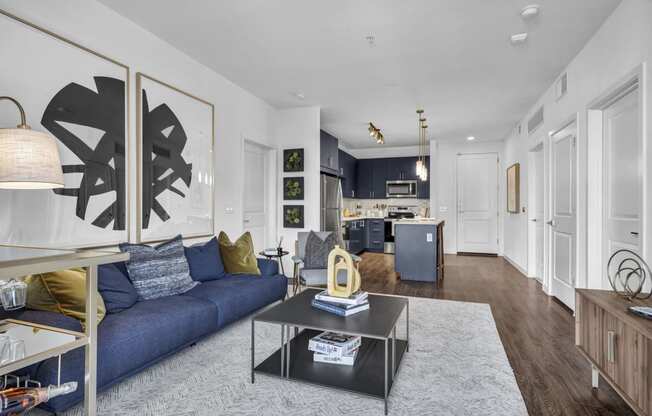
536 330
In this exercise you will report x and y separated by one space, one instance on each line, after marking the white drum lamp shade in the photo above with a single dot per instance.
29 159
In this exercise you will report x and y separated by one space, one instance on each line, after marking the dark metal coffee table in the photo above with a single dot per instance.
378 359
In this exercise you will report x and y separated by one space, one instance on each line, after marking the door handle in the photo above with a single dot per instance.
533 220
246 221
634 233
551 223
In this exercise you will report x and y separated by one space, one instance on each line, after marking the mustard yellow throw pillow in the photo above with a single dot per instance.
62 292
238 257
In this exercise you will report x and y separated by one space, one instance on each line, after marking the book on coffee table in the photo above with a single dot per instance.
355 299
347 359
339 308
334 344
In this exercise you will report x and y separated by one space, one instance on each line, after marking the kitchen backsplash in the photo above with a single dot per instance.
380 205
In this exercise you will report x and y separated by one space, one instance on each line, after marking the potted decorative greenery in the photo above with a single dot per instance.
293 160
293 188
293 216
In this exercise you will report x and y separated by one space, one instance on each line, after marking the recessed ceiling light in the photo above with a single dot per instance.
518 38
470 138
530 11
298 94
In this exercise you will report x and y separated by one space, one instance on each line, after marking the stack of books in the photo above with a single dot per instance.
334 348
355 303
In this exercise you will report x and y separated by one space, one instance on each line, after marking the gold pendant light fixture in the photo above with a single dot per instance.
376 134
422 129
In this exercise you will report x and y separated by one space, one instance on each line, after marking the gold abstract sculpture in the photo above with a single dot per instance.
352 274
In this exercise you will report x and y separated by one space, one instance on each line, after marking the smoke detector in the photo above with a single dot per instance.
371 40
518 38
529 12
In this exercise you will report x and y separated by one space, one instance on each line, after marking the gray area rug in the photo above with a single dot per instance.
456 366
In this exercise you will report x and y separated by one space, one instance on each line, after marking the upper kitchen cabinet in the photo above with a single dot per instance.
328 155
348 174
364 178
401 168
379 180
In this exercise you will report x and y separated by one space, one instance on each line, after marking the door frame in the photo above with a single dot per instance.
539 146
498 200
271 160
596 261
548 198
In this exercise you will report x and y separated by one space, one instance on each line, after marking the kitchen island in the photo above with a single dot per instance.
419 249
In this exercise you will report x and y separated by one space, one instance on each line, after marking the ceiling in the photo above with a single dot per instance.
451 57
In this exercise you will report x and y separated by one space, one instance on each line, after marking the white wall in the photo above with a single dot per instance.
443 192
617 49
299 128
238 113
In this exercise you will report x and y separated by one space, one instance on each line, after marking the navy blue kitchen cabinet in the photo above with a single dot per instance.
328 153
379 175
356 236
348 174
375 230
364 175
401 168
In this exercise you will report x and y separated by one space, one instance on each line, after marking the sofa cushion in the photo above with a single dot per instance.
268 267
158 271
317 250
114 286
132 340
63 291
238 257
237 296
205 261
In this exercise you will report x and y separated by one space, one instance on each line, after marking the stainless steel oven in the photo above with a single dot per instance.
401 189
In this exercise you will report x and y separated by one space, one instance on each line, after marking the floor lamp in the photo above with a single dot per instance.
29 159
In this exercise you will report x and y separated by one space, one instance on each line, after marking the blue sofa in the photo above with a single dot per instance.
151 330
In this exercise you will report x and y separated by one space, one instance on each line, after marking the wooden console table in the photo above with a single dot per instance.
21 261
617 343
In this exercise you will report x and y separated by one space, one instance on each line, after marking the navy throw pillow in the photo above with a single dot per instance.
205 261
115 288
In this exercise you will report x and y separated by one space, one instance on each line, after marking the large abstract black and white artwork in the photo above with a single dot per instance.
80 98
176 162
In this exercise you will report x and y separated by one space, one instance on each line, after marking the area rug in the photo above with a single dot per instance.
456 366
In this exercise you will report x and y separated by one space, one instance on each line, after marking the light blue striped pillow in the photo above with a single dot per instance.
158 271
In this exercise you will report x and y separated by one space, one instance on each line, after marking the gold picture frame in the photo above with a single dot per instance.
30 97
513 188
141 236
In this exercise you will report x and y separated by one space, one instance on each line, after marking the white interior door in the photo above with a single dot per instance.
563 222
623 175
537 213
477 203
255 194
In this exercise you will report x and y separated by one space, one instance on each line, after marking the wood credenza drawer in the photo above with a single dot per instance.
617 343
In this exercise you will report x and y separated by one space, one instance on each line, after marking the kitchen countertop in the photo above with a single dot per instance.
418 221
361 217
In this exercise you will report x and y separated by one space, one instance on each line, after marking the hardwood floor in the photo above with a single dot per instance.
536 330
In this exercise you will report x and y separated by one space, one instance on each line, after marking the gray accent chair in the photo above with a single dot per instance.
313 277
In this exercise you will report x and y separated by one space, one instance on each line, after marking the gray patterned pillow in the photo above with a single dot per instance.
158 271
317 250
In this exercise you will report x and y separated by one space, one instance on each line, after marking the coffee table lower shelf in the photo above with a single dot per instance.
364 377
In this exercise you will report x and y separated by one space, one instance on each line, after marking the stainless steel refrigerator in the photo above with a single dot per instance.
331 205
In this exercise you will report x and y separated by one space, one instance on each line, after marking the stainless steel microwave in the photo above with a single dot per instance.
401 189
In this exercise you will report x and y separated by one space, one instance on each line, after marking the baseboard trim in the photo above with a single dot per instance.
464 253
516 266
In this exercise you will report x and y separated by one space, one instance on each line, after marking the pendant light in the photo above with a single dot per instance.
419 164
